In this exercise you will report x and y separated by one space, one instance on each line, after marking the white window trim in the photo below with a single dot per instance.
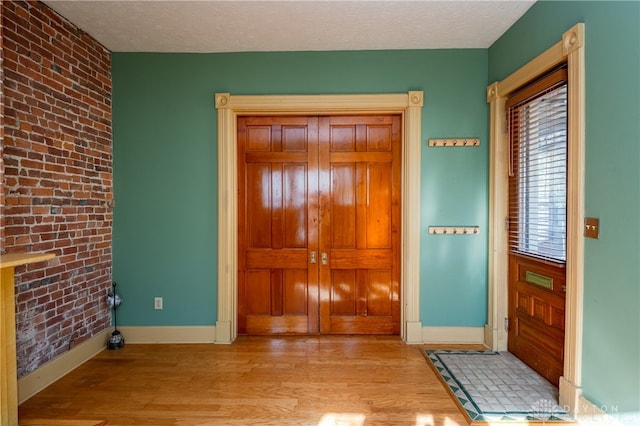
229 107
570 49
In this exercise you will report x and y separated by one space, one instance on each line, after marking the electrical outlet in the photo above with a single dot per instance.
157 303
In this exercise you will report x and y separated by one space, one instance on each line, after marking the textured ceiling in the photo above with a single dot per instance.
240 26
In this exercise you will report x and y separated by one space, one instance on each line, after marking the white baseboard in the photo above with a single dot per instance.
569 396
223 332
55 369
453 335
490 337
169 334
413 332
495 338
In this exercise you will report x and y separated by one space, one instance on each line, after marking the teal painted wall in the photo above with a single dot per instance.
611 341
165 167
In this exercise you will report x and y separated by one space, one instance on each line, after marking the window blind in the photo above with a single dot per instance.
538 168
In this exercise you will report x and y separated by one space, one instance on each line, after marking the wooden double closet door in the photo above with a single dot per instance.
319 224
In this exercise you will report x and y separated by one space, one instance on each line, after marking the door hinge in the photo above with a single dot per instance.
506 325
506 223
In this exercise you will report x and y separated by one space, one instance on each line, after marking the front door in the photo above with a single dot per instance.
537 224
318 225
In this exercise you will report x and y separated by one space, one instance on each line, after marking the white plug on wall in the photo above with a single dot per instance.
157 303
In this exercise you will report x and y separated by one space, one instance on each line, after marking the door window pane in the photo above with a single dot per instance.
538 193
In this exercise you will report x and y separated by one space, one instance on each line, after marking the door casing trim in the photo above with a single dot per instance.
570 49
229 107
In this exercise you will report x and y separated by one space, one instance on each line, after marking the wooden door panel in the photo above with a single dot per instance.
379 233
276 157
295 202
280 259
362 324
365 157
361 259
277 221
534 335
277 292
294 138
267 325
361 293
534 303
258 138
260 302
536 313
343 137
276 295
343 206
379 138
258 202
295 292
343 292
379 293
538 351
361 192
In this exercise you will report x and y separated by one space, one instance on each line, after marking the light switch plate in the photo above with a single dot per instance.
591 227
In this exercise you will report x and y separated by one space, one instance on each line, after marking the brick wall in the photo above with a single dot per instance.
1 139
57 178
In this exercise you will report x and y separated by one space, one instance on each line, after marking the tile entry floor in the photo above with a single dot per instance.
495 386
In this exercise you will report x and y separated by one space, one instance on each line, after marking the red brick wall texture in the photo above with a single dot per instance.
1 137
57 184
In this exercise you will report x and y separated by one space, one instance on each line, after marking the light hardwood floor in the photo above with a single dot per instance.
327 380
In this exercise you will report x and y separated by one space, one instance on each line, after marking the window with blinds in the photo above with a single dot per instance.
538 168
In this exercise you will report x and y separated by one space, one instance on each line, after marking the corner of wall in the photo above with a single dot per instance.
37 380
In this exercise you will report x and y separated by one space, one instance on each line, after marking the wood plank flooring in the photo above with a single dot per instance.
342 380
